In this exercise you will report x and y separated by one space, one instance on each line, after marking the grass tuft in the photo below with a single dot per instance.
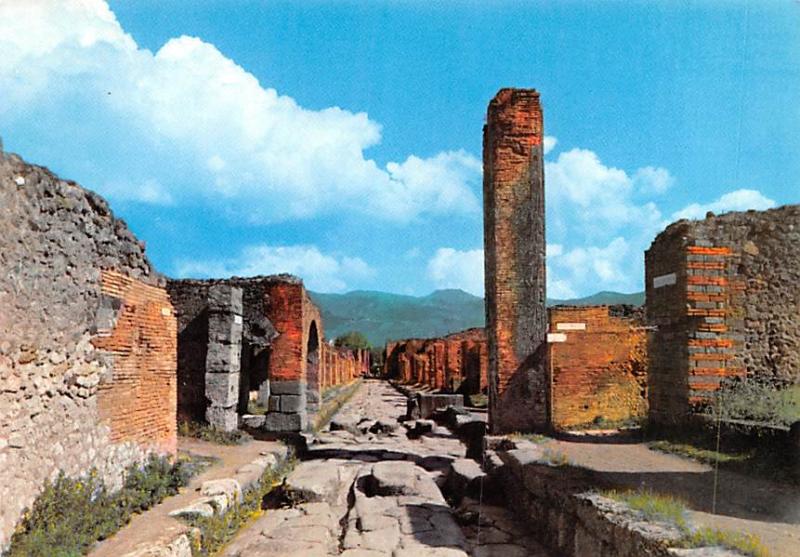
673 510
532 437
700 454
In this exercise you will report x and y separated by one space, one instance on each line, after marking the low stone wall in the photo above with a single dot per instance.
564 513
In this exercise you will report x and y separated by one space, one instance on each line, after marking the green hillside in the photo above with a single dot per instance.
382 316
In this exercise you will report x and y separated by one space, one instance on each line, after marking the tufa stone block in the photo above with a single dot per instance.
225 298
222 389
223 358
279 422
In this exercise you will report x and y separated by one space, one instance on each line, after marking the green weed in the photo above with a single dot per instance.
71 514
213 435
666 508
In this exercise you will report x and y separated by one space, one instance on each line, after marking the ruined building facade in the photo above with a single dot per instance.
259 339
87 340
723 298
514 247
456 363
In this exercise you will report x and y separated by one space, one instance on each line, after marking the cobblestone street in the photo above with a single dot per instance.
367 489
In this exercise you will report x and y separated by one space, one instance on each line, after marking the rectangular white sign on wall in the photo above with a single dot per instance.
556 337
665 280
570 326
237 319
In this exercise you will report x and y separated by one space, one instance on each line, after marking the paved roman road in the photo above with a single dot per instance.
367 490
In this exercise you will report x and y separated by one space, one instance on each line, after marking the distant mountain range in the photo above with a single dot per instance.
382 316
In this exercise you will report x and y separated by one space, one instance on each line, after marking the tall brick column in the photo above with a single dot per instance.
223 359
514 244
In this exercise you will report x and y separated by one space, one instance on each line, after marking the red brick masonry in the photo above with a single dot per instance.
598 366
140 400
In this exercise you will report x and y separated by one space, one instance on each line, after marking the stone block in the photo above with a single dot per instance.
274 403
292 403
225 328
223 358
224 419
254 421
228 487
222 389
430 403
287 387
279 422
225 298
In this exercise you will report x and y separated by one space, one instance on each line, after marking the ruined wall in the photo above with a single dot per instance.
723 295
598 366
457 362
191 300
87 350
514 246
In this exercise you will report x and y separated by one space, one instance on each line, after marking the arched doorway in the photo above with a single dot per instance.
312 369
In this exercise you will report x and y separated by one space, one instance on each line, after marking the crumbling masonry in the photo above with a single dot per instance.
258 339
723 297
87 340
514 246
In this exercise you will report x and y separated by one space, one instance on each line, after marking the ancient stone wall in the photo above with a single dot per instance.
284 360
455 363
191 300
87 349
514 246
723 296
598 366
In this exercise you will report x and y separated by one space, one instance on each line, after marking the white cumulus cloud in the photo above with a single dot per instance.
191 119
739 200
319 271
452 268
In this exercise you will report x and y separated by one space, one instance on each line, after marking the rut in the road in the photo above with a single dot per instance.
368 490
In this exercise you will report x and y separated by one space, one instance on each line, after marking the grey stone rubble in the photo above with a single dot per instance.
368 489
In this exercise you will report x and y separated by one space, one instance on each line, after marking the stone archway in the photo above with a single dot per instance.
313 395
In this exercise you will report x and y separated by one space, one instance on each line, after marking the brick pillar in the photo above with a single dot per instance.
514 244
223 359
287 398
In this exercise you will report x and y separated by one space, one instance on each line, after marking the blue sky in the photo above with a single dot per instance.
341 141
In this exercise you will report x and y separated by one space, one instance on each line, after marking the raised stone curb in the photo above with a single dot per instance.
575 520
217 497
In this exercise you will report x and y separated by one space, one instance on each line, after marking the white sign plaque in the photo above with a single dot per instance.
570 326
664 280
556 337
